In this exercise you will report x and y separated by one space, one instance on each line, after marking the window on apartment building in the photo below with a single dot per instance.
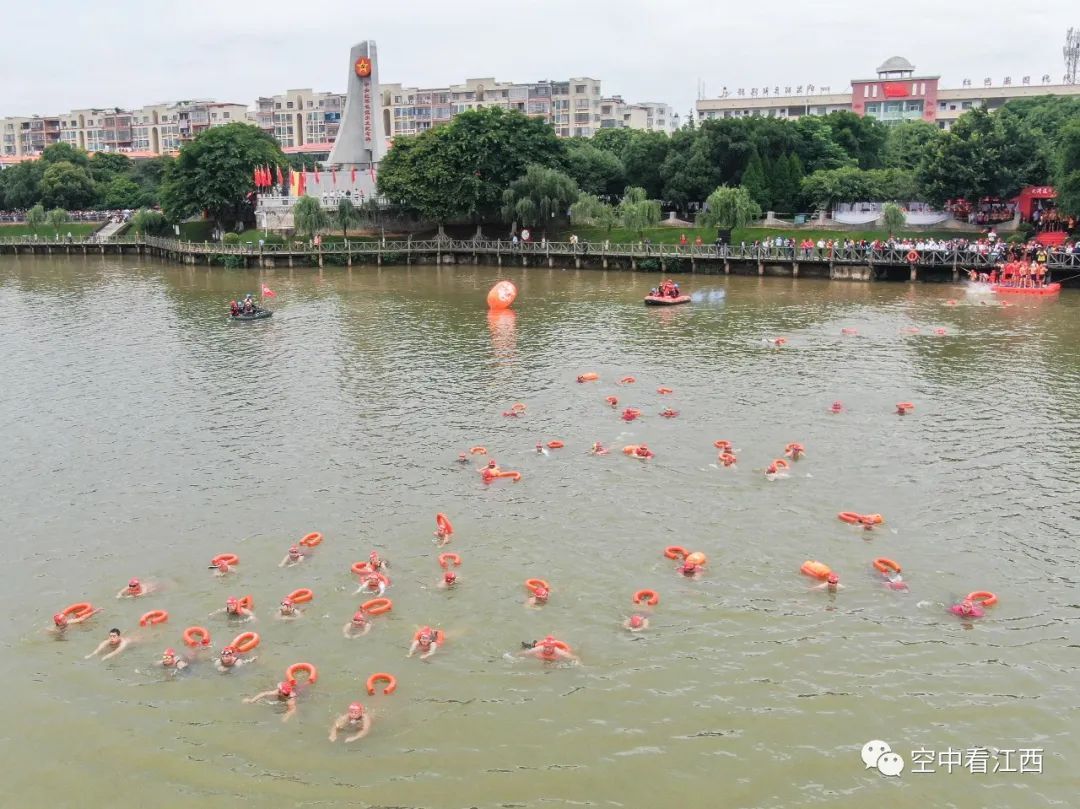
873 109
224 115
866 91
277 105
873 91
965 105
914 88
952 106
606 109
579 88
288 105
922 88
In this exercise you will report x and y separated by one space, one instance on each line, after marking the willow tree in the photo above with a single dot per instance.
590 210
346 216
637 212
539 196
309 217
728 208
893 217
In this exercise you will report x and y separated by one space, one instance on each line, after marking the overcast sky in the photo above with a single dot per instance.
59 55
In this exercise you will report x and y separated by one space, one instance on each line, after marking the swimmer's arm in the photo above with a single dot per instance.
122 593
339 723
412 649
123 645
216 612
249 615
365 727
284 561
290 709
562 654
434 648
87 616
262 695
345 630
100 646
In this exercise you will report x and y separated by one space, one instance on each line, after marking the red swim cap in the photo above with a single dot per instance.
133 583
59 619
541 592
450 577
285 688
359 617
286 602
356 706
689 567
832 578
636 621
491 464
228 650
293 549
230 600
169 653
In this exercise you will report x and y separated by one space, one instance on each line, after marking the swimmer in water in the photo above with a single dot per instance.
293 557
831 583
644 453
115 643
234 609
170 662
442 537
449 580
894 581
598 449
690 570
636 623
540 449
549 650
229 660
359 626
285 693
837 407
354 719
426 642
462 458
373 583
538 597
134 589
967 609
376 562
62 621
288 610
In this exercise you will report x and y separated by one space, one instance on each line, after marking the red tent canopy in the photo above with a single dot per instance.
1026 198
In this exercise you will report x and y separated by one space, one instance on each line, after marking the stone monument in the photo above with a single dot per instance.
360 140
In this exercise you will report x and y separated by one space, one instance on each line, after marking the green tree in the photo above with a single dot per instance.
460 170
1068 169
754 181
729 208
597 171
21 185
643 158
908 143
36 216
590 210
816 147
892 215
863 138
827 187
57 218
637 212
105 166
65 153
687 172
65 185
783 189
149 175
538 197
121 192
215 173
346 216
309 217
795 175
149 223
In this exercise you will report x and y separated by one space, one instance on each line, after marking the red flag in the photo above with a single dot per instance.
267 182
256 176
280 177
333 176
316 175
268 293
354 175
303 184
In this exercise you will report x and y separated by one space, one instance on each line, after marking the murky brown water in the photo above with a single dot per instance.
142 434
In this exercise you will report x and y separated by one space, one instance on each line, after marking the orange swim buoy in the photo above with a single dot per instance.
627 380
532 585
727 459
817 570
912 257
245 642
780 463
720 443
447 559
197 636
377 606
362 568
556 444
154 617
549 641
697 558
478 450
630 413
882 565
662 390
301 596
676 552
228 558
630 449
850 517
849 331
501 295
871 519
302 668
794 450
903 407
612 400
589 376
80 610
650 597
247 602
381 677
518 407
311 540
514 476
443 524
984 597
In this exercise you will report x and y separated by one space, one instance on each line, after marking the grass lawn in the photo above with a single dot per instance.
668 235
78 230
196 231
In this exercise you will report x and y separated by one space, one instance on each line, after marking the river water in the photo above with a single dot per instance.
143 434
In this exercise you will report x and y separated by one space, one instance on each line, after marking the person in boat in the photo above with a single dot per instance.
249 305
234 308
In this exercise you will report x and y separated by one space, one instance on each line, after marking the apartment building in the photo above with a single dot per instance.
648 115
896 93
300 117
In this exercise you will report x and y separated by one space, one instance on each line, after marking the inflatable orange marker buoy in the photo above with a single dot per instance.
675 552
197 636
650 597
311 540
663 391
697 558
154 617
443 526
377 606
612 400
902 408
301 596
305 668
588 376
375 679
501 295
245 642
849 331
627 380
984 597
817 570
556 444
447 559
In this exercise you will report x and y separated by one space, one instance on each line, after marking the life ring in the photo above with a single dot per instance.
849 331
903 407
532 585
793 450
443 524
662 390
871 519
447 559
627 380
556 444
374 679
478 450
228 558
381 577
912 257
361 568
727 459
590 376
154 617
650 597
439 636
377 606
550 641
676 552
245 642
697 558
518 407
301 596
883 565
312 539
514 476
984 597
630 449
306 668
81 610
780 463
197 636
850 517
720 443
817 570
612 400
247 602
